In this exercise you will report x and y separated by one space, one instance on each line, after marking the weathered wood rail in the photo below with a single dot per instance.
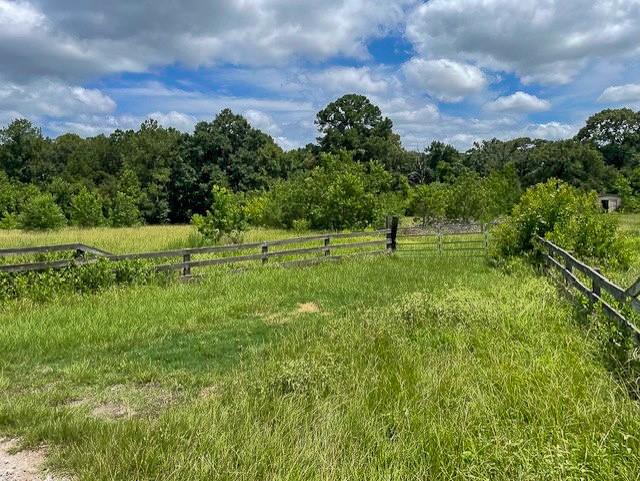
568 266
384 240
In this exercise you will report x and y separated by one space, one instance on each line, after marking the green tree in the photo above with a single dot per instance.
86 209
225 217
430 201
41 213
354 124
22 149
616 132
579 164
124 211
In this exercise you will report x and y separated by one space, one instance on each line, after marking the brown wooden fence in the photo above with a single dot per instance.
593 285
302 249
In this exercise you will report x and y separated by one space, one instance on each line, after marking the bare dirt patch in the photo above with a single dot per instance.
112 411
25 465
307 308
123 401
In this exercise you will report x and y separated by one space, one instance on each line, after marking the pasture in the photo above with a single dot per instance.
393 367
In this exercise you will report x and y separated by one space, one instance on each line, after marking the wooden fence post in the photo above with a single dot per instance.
439 234
327 251
265 253
485 232
186 266
393 235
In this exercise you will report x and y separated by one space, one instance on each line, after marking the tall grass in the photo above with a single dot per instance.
126 239
404 368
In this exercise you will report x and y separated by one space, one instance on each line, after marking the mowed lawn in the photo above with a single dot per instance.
385 368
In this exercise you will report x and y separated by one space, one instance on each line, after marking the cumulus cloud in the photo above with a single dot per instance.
621 93
540 40
551 131
340 80
73 39
262 121
44 97
445 79
519 102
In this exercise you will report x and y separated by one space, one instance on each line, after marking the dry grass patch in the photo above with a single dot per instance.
307 308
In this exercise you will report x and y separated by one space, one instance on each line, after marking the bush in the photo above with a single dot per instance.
124 212
45 285
430 201
41 213
224 218
337 194
567 216
86 209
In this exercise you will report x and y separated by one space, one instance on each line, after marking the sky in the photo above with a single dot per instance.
458 71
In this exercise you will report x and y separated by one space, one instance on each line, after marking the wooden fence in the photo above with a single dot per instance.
331 247
597 286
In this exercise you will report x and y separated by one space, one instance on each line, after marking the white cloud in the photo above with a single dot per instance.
445 79
621 93
262 121
43 97
74 40
547 41
341 80
177 120
519 102
551 131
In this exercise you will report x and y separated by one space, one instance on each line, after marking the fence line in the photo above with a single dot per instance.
386 244
566 263
444 237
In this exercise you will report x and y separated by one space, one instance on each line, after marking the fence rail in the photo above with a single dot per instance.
84 254
567 265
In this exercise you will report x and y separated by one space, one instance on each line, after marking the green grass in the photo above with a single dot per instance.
414 367
630 226
124 240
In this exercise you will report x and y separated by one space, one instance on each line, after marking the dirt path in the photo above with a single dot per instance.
24 465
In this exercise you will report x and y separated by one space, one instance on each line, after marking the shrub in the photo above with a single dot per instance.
124 212
337 194
224 218
565 215
430 201
86 209
41 213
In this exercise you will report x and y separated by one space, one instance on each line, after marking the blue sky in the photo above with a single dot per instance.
452 70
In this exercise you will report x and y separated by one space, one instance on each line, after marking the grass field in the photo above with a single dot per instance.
630 227
386 368
124 240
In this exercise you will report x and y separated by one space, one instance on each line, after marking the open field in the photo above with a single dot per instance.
386 368
127 239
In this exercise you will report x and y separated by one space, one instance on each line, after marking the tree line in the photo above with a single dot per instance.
356 173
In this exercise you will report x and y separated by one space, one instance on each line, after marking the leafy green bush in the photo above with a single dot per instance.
225 217
42 286
86 209
430 201
124 211
567 216
337 194
41 213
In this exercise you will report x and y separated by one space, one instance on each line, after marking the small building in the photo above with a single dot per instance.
610 202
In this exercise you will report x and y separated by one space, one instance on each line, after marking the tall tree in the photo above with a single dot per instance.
354 124
616 132
22 149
